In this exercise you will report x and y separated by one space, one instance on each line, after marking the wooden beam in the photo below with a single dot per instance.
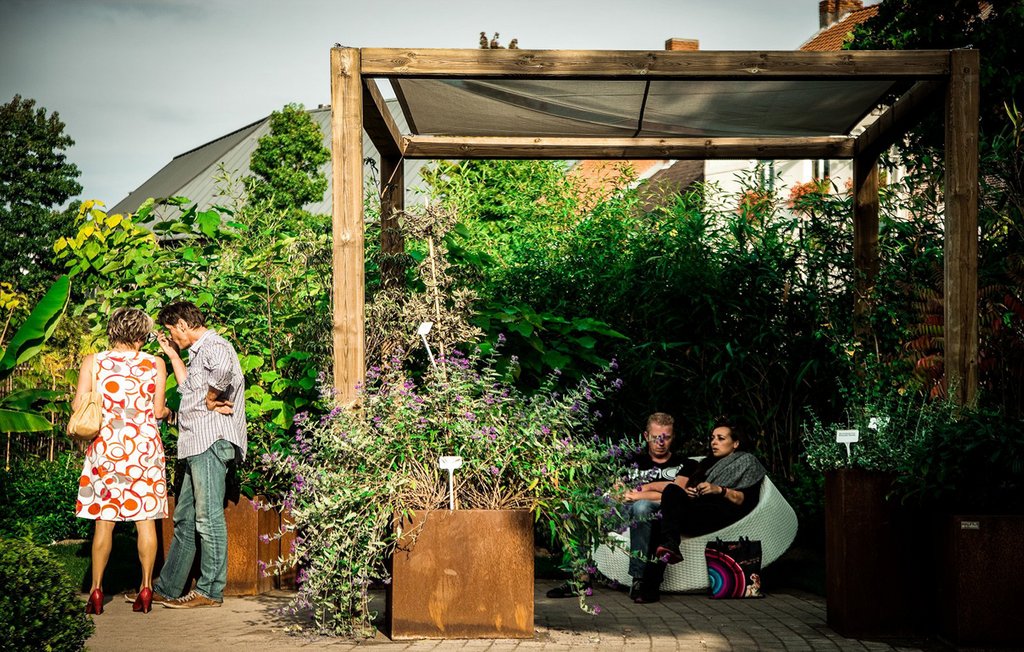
865 246
501 147
347 223
392 203
961 243
379 124
655 64
898 118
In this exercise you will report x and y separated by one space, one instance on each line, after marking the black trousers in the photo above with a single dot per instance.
691 517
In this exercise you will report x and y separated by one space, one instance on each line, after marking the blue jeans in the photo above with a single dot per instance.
199 514
642 513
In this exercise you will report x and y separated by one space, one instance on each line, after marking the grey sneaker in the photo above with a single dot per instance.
190 600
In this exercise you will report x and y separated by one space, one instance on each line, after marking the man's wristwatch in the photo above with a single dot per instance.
722 493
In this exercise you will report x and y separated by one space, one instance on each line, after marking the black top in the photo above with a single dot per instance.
647 470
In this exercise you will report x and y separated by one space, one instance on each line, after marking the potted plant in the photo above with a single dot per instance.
869 536
968 477
370 503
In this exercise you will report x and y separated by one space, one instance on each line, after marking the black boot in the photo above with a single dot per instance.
650 585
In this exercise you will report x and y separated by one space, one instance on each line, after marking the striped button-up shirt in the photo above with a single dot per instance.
212 364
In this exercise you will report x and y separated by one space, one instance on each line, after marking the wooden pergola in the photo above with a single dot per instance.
915 82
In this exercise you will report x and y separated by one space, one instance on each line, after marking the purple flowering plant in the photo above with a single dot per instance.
358 468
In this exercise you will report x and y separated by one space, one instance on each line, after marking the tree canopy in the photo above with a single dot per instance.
286 163
35 178
994 28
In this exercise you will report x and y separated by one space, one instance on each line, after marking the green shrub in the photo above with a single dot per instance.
974 463
354 470
37 499
38 608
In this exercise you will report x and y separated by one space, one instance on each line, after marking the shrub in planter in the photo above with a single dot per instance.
863 511
973 464
892 421
359 468
38 607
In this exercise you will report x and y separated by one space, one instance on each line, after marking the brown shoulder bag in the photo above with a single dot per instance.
86 421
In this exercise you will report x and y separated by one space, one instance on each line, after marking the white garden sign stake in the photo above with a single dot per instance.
450 463
847 437
422 332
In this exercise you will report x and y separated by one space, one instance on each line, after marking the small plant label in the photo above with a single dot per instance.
449 463
847 437
422 331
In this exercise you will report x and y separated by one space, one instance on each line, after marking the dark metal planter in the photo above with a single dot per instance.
981 580
873 560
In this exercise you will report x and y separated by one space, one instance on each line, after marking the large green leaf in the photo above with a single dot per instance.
38 327
23 399
16 421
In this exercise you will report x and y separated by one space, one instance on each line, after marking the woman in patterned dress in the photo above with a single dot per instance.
123 478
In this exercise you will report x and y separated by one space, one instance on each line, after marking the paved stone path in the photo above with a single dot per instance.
789 621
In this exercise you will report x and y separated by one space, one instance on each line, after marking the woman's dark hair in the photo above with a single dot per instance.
725 421
171 313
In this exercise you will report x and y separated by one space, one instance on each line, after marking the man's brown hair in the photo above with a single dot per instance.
171 313
661 419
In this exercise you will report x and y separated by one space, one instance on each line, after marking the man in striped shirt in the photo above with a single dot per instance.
211 436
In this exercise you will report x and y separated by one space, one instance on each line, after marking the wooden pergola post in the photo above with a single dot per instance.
347 224
865 243
387 138
392 202
960 327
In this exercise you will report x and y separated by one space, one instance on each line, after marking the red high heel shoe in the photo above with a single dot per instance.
144 602
95 603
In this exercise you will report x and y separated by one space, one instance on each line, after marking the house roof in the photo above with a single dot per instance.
194 174
834 36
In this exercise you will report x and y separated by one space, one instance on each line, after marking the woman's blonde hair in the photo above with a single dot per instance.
128 326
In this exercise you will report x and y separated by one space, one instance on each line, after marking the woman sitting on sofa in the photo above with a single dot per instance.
721 490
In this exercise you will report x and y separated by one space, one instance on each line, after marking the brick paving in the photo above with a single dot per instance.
786 622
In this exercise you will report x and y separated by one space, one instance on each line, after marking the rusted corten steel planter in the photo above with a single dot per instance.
467 574
981 580
872 558
245 550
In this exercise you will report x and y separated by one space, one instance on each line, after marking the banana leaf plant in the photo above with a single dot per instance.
17 409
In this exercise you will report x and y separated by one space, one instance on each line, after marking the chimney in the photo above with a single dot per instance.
830 11
687 44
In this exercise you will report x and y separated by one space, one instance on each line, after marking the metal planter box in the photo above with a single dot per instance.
981 580
871 570
245 550
463 574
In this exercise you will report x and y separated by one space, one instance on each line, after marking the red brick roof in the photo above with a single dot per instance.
834 36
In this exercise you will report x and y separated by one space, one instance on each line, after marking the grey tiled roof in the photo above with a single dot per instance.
193 173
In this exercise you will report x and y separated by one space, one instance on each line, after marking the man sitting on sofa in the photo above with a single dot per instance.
654 469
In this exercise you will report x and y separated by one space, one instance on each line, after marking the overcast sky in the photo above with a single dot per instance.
139 81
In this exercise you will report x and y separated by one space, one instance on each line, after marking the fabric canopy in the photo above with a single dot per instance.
628 108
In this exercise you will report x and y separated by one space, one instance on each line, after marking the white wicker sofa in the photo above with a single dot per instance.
772 521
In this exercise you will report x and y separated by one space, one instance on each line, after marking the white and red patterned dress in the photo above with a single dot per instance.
123 478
